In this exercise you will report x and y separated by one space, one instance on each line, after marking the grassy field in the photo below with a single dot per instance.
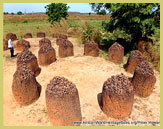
21 24
39 23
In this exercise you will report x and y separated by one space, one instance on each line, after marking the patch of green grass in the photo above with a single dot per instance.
77 23
74 23
103 54
22 27
44 111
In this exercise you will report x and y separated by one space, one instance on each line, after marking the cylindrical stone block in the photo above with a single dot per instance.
117 97
143 79
41 35
44 41
62 36
91 49
11 36
27 35
46 55
58 41
22 44
62 101
66 49
134 59
116 53
5 44
29 59
55 35
145 45
25 87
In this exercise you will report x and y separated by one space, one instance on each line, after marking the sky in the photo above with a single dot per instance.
39 7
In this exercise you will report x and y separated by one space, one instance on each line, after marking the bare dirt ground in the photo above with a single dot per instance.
88 73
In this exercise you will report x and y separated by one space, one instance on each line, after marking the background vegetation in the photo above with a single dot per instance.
122 23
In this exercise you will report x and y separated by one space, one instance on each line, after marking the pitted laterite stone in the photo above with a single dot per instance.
12 36
58 41
117 97
145 45
46 55
5 44
143 79
134 59
55 35
44 41
62 36
116 53
62 102
91 49
22 44
66 49
25 87
41 35
27 35
29 59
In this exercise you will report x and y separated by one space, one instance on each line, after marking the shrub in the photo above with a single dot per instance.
89 33
25 21
19 13
60 27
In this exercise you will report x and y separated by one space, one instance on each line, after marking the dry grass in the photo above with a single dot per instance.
36 17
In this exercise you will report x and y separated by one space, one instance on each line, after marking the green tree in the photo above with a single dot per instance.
19 13
56 11
102 12
137 19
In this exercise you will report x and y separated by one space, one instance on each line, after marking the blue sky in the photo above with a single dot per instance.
39 7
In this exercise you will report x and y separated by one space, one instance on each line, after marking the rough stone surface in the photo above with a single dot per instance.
5 44
55 35
117 97
145 45
41 35
27 35
66 49
44 41
12 36
116 53
22 44
25 87
62 101
143 79
29 59
58 41
134 59
61 36
46 55
91 49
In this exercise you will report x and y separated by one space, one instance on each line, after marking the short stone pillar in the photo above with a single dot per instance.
116 53
134 59
22 44
66 49
62 102
117 97
44 41
25 87
91 49
41 35
27 35
46 55
29 59
143 79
